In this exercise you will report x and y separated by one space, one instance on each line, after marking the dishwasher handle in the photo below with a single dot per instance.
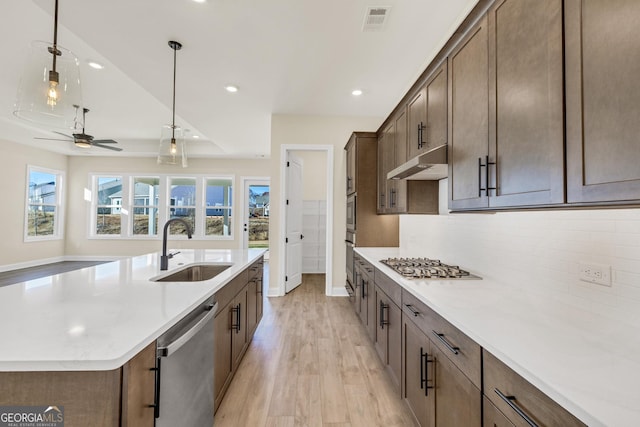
175 345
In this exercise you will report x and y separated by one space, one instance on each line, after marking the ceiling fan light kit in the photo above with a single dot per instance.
172 149
50 84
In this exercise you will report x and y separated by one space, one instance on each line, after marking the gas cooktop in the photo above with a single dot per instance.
425 268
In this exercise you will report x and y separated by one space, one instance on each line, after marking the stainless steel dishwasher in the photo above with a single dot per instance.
184 371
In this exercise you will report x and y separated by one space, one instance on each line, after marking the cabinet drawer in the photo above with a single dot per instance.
231 289
520 399
462 350
364 266
389 287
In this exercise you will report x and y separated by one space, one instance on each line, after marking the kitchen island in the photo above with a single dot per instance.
85 340
585 362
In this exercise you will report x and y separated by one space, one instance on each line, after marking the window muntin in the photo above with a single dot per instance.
44 204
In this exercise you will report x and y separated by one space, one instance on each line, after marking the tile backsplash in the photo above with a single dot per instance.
539 251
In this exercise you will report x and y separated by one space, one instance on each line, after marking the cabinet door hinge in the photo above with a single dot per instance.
287 164
286 240
286 278
287 201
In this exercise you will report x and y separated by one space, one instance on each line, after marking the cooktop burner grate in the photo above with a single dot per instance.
425 268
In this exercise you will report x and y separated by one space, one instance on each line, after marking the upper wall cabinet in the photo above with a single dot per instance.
506 109
603 103
427 115
468 118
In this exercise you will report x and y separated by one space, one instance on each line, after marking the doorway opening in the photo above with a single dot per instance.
326 219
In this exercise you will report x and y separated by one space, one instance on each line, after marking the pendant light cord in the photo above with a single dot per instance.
173 120
55 37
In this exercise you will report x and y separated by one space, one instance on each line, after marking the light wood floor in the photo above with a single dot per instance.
311 364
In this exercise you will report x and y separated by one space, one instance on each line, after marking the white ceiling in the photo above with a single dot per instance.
286 56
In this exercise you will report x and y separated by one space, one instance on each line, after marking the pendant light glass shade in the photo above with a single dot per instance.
173 150
41 101
172 147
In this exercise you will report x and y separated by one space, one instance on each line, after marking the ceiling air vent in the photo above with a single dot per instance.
376 18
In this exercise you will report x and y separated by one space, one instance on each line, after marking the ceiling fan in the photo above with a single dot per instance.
84 140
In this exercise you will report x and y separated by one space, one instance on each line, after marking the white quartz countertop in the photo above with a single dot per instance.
586 362
98 318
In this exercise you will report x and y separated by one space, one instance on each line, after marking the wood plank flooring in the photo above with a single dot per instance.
312 364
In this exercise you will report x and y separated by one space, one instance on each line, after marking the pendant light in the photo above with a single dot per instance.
50 84
172 144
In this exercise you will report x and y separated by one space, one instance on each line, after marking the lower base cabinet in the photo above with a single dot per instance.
458 400
241 301
388 335
119 397
518 401
417 374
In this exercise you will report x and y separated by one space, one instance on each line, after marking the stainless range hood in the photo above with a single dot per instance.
429 166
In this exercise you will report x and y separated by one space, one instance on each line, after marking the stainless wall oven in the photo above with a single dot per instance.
351 214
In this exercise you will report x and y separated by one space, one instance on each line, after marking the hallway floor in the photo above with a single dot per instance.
311 363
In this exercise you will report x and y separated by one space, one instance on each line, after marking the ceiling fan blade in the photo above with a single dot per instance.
52 139
63 134
105 141
106 146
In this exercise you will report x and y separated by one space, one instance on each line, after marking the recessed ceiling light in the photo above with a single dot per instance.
231 88
200 1
95 65
196 136
356 92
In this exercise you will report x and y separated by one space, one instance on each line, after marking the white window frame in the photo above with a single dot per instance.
59 216
164 205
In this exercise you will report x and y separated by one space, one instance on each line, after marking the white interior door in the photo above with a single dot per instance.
293 221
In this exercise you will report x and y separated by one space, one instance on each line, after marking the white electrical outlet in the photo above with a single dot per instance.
599 274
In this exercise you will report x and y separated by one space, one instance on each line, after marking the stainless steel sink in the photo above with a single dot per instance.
195 273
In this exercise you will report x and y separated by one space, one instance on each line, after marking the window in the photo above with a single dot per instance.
182 201
43 217
146 191
108 209
134 206
218 197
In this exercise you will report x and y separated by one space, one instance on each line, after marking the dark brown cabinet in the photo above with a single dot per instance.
234 324
468 118
458 400
427 113
518 400
401 196
506 109
386 162
370 229
388 336
441 372
602 39
417 374
365 295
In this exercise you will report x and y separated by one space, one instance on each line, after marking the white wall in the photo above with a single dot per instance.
316 130
13 175
77 242
539 251
314 174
